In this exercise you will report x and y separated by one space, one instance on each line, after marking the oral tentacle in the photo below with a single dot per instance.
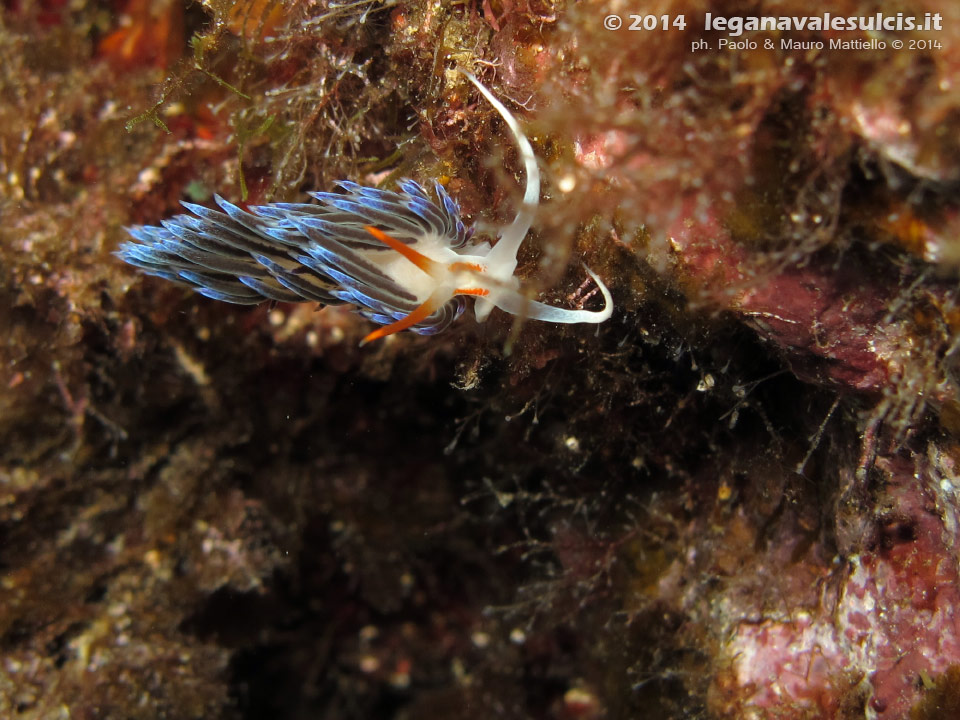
503 256
511 301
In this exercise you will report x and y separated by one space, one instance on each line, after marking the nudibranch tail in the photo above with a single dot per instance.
402 257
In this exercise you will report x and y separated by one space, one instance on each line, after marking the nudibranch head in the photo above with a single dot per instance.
404 259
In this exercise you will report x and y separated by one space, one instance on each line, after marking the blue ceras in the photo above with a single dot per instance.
405 260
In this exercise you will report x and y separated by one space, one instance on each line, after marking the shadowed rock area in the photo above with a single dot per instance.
737 498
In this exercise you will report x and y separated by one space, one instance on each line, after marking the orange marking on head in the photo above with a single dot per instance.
422 312
460 266
419 259
482 292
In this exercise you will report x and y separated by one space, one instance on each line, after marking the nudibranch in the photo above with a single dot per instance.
404 259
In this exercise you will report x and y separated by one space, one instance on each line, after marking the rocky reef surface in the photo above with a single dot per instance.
737 498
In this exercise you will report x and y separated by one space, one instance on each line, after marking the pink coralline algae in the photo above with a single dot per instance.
886 621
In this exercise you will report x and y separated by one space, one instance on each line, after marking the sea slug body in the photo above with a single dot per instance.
404 259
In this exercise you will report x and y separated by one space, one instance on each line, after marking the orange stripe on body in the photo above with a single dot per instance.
460 266
429 266
422 312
